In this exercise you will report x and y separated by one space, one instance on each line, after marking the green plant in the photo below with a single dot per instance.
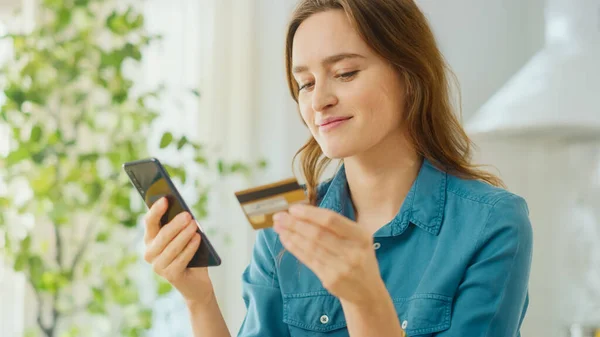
73 119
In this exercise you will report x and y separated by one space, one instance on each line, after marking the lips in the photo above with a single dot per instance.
332 120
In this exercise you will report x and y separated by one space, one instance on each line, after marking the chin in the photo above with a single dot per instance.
338 151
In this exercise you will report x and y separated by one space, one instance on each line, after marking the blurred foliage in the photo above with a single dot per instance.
74 118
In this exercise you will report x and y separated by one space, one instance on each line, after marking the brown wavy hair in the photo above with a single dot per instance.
399 32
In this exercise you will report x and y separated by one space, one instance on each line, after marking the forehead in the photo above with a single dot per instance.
325 34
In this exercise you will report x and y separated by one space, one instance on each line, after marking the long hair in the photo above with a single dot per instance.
399 32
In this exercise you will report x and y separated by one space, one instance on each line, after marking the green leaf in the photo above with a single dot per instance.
221 167
43 181
137 23
4 202
49 282
36 267
55 137
36 134
26 243
238 167
87 268
116 23
195 92
132 51
93 156
145 318
129 222
39 156
97 295
63 18
80 97
15 94
17 156
201 160
166 140
181 143
102 236
262 164
73 331
126 295
163 287
60 214
96 308
20 262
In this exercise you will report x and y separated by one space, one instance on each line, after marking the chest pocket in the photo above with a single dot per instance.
319 314
424 314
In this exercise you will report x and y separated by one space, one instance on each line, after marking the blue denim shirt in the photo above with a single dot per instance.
455 260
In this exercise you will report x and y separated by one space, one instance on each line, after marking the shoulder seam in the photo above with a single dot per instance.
492 202
487 220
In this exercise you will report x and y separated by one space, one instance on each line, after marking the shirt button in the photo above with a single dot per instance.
377 245
404 324
324 319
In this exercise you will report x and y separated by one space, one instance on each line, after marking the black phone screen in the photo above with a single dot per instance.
153 183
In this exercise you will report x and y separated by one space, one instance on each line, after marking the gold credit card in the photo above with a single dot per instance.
262 202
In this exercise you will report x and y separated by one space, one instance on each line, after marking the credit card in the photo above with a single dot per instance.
262 202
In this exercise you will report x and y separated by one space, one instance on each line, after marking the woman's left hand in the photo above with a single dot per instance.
335 248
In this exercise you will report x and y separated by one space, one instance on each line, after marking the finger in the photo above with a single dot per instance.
308 234
184 258
332 221
308 259
175 247
165 235
329 268
152 219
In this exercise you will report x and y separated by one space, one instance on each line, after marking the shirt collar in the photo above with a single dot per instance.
423 205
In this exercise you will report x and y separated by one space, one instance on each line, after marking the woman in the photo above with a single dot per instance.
408 238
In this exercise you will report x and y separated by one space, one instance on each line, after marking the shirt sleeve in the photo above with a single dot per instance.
492 298
261 292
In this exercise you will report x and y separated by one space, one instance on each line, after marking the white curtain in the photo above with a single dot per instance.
206 47
12 285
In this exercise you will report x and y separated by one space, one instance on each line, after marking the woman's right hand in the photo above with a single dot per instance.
169 250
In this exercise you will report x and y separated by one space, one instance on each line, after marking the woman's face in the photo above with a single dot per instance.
350 98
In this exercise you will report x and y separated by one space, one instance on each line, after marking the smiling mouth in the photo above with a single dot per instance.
329 125
335 120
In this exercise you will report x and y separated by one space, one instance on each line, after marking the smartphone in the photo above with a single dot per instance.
152 181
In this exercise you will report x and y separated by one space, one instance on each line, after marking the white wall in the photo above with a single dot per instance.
485 42
279 129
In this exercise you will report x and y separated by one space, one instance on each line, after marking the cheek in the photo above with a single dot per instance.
306 113
386 104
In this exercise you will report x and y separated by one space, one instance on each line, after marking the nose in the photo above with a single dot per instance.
322 97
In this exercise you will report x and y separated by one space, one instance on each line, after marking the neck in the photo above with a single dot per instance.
380 179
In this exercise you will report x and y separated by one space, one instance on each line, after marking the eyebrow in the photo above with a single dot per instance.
328 61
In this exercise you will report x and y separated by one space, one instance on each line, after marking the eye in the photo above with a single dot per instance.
348 75
304 86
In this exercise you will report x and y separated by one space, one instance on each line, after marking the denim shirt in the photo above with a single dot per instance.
455 260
